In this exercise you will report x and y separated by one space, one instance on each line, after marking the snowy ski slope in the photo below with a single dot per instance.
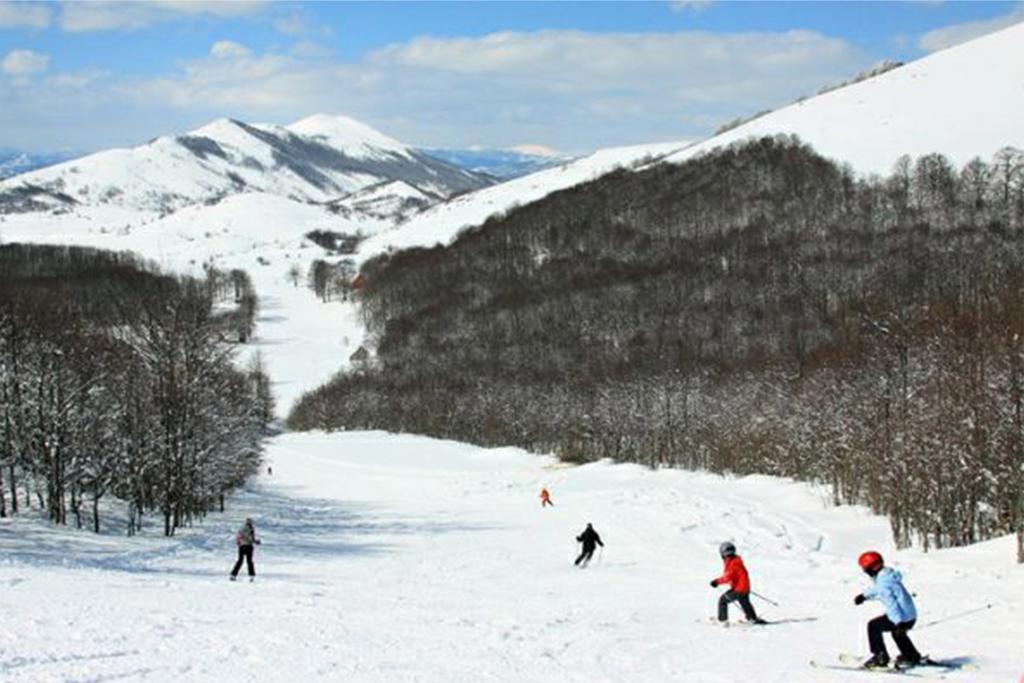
401 558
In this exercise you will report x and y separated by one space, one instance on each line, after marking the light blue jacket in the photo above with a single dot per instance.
888 589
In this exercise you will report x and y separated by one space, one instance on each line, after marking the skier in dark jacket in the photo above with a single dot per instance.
735 574
900 613
588 538
245 539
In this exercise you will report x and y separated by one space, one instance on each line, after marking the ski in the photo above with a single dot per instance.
926 661
864 670
712 621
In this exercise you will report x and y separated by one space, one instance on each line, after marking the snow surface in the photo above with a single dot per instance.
401 558
965 101
354 138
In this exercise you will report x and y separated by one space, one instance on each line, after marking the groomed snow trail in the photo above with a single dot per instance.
401 558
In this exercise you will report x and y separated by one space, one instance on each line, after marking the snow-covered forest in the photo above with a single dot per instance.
759 309
117 381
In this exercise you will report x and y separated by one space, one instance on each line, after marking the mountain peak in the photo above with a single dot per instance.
353 137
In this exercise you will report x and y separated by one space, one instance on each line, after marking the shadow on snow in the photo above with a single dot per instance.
291 528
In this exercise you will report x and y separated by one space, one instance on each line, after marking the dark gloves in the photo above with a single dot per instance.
714 583
859 600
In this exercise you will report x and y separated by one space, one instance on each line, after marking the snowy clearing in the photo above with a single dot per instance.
405 558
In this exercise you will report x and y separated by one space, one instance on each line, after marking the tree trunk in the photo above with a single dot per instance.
96 513
14 490
76 507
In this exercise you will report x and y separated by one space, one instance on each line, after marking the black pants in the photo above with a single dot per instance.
588 552
733 596
244 551
879 625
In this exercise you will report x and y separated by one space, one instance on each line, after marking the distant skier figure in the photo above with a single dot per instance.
900 613
545 498
270 470
590 540
736 576
245 539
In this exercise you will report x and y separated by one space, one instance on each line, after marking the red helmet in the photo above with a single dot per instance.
870 561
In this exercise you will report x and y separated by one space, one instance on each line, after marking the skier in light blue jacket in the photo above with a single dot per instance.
900 613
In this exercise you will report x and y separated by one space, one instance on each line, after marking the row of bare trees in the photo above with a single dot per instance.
757 310
115 381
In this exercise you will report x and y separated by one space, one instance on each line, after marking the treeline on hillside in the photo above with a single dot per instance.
756 310
117 381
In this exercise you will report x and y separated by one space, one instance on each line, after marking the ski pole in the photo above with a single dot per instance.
772 602
957 616
600 555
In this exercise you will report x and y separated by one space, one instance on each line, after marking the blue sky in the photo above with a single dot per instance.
570 75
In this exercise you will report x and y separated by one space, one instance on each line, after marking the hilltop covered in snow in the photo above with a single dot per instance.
963 102
317 159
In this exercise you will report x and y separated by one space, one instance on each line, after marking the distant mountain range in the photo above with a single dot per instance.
13 161
503 164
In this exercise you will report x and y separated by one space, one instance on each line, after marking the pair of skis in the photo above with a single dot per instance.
852 663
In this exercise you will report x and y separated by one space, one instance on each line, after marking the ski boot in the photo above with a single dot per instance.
907 662
877 661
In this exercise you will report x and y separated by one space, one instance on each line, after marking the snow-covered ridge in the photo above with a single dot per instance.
314 160
964 101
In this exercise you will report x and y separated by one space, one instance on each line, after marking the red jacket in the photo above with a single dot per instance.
735 575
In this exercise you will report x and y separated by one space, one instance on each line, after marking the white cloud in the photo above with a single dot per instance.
226 49
20 64
566 89
690 5
109 15
24 14
948 36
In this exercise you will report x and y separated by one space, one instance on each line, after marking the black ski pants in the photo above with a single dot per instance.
733 596
879 625
244 552
588 552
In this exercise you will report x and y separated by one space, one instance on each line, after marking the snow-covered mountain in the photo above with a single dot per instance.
504 164
13 161
964 101
317 159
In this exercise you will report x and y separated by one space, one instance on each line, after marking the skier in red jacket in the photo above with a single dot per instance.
736 576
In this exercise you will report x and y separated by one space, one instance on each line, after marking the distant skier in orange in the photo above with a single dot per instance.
545 498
